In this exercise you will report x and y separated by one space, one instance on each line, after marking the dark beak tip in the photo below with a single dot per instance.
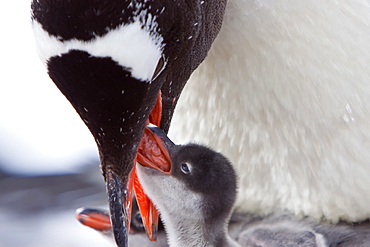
159 133
117 196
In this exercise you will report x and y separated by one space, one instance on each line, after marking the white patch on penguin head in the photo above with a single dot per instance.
134 45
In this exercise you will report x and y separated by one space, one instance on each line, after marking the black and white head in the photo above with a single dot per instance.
112 58
196 199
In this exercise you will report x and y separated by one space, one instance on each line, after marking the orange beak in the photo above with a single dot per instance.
152 153
94 218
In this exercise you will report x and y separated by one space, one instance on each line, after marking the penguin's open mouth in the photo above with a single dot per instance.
153 149
153 153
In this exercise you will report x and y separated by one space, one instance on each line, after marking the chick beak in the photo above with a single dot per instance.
152 153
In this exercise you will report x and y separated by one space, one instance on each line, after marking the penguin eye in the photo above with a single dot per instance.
185 168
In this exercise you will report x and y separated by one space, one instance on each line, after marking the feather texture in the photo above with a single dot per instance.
284 92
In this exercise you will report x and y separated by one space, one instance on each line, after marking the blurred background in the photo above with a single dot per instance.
49 164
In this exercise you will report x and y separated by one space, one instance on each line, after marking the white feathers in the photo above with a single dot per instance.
131 45
287 99
180 209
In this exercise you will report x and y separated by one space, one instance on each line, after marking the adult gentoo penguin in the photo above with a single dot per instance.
113 60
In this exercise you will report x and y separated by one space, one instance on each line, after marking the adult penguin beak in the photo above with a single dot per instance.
153 153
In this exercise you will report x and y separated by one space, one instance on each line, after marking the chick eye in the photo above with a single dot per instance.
185 168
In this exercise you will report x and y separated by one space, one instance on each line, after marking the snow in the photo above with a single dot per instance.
56 228
40 132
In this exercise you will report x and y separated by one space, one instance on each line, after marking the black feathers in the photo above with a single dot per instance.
80 19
